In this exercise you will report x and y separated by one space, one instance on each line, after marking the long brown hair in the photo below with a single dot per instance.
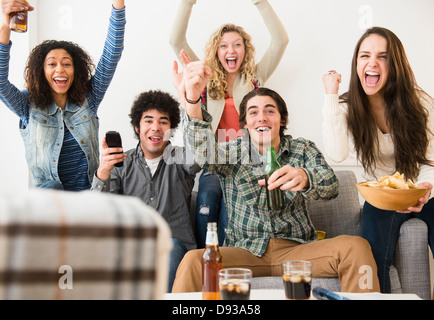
406 116
217 84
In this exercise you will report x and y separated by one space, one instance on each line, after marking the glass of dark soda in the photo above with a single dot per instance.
297 279
234 283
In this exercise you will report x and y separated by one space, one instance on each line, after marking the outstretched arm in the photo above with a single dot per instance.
178 39
112 52
278 44
177 75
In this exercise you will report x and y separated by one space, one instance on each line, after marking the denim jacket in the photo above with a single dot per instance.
43 138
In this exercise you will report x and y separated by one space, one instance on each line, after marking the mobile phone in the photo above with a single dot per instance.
113 139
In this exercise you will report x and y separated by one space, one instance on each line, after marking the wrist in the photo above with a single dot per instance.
103 174
191 101
331 92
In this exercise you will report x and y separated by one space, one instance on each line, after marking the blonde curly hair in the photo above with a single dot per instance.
217 84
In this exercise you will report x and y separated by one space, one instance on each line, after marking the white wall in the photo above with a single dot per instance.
322 34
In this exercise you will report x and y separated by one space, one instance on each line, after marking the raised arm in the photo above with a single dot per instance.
200 139
178 39
279 40
195 78
335 130
9 6
10 95
112 52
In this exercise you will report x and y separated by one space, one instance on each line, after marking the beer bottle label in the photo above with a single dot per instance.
211 238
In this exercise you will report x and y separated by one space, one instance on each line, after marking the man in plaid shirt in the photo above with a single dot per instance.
257 238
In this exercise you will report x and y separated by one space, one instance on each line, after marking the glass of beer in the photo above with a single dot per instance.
297 279
18 21
234 283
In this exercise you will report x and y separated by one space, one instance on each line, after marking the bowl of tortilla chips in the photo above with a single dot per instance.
392 193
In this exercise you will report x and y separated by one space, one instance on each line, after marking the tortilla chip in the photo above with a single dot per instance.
396 181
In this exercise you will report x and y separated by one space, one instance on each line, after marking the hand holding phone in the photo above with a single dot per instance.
113 140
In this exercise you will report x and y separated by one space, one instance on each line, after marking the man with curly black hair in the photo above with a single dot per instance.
155 171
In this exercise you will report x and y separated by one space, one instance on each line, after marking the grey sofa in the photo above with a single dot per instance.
341 216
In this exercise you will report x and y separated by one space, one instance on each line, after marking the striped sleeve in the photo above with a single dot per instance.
111 55
10 95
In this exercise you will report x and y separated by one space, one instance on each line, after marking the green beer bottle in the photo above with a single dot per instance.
275 196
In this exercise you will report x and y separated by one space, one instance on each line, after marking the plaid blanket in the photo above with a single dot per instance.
81 245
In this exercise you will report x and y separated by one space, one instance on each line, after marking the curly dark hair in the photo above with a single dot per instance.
39 90
158 100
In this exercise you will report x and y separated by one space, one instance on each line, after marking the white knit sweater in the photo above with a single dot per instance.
338 143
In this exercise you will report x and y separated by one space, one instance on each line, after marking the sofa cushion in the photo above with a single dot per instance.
340 216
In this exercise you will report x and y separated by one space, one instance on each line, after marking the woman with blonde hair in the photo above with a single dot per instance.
230 55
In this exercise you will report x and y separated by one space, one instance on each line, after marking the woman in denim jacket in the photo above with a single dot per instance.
58 109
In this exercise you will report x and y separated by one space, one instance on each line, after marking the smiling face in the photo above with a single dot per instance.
231 51
154 133
263 121
59 72
372 66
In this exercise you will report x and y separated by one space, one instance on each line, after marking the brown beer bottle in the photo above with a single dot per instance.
19 21
211 264
274 197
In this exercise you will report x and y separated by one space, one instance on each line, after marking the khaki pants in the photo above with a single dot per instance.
341 257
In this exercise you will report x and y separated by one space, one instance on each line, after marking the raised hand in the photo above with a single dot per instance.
331 81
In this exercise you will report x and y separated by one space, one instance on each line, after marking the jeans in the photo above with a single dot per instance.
176 254
210 207
381 229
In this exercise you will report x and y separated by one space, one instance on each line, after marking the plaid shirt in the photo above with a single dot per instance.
239 166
